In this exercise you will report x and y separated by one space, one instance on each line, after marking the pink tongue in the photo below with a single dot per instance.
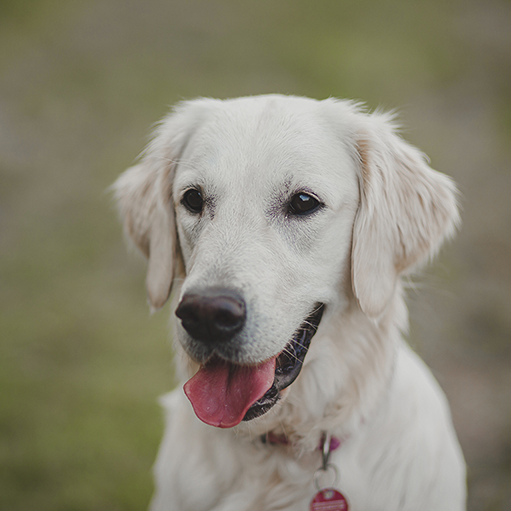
221 392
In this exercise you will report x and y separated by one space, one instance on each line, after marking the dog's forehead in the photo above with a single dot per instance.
266 144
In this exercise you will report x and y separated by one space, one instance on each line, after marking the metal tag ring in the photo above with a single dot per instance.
317 475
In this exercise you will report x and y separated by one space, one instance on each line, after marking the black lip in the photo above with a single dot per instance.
289 363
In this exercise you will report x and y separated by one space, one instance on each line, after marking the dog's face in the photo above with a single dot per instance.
277 210
264 207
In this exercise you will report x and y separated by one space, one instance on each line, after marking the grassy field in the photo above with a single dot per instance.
81 360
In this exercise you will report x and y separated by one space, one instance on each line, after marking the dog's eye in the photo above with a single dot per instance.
192 200
303 204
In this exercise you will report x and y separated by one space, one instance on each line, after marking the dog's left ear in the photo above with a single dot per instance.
406 210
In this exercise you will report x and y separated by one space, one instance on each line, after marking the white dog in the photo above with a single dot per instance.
287 225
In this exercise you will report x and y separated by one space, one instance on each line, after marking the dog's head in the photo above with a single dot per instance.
271 211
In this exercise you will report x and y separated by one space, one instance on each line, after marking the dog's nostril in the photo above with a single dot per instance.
227 311
187 314
214 317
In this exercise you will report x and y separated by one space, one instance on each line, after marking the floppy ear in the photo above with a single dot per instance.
406 210
149 221
144 196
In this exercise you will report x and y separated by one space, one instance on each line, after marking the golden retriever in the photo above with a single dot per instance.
286 225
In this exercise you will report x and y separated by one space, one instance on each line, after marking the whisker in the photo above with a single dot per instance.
292 355
298 343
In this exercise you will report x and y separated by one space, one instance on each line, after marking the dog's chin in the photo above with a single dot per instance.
288 364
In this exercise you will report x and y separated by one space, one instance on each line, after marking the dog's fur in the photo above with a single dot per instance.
385 212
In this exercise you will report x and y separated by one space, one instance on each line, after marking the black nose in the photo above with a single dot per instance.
215 316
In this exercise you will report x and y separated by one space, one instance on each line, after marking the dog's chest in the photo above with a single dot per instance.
261 478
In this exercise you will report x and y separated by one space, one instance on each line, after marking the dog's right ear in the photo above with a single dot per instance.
149 222
144 197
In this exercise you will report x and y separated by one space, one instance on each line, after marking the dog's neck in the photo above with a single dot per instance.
356 388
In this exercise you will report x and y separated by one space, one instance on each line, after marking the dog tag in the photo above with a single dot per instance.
329 499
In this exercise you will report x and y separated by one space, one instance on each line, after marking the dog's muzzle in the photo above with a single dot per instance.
222 392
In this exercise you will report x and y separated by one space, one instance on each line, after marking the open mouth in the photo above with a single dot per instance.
289 364
223 394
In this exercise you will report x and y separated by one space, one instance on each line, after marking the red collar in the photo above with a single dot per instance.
274 439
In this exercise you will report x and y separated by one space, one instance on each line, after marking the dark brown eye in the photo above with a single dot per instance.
192 200
303 204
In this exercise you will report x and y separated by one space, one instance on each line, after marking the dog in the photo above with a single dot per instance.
285 227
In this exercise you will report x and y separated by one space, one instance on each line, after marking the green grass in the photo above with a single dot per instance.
81 360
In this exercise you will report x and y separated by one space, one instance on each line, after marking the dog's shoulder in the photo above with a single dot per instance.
413 435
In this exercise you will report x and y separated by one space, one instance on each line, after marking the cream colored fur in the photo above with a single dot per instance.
385 213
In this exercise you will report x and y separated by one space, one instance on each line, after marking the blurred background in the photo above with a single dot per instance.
81 361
